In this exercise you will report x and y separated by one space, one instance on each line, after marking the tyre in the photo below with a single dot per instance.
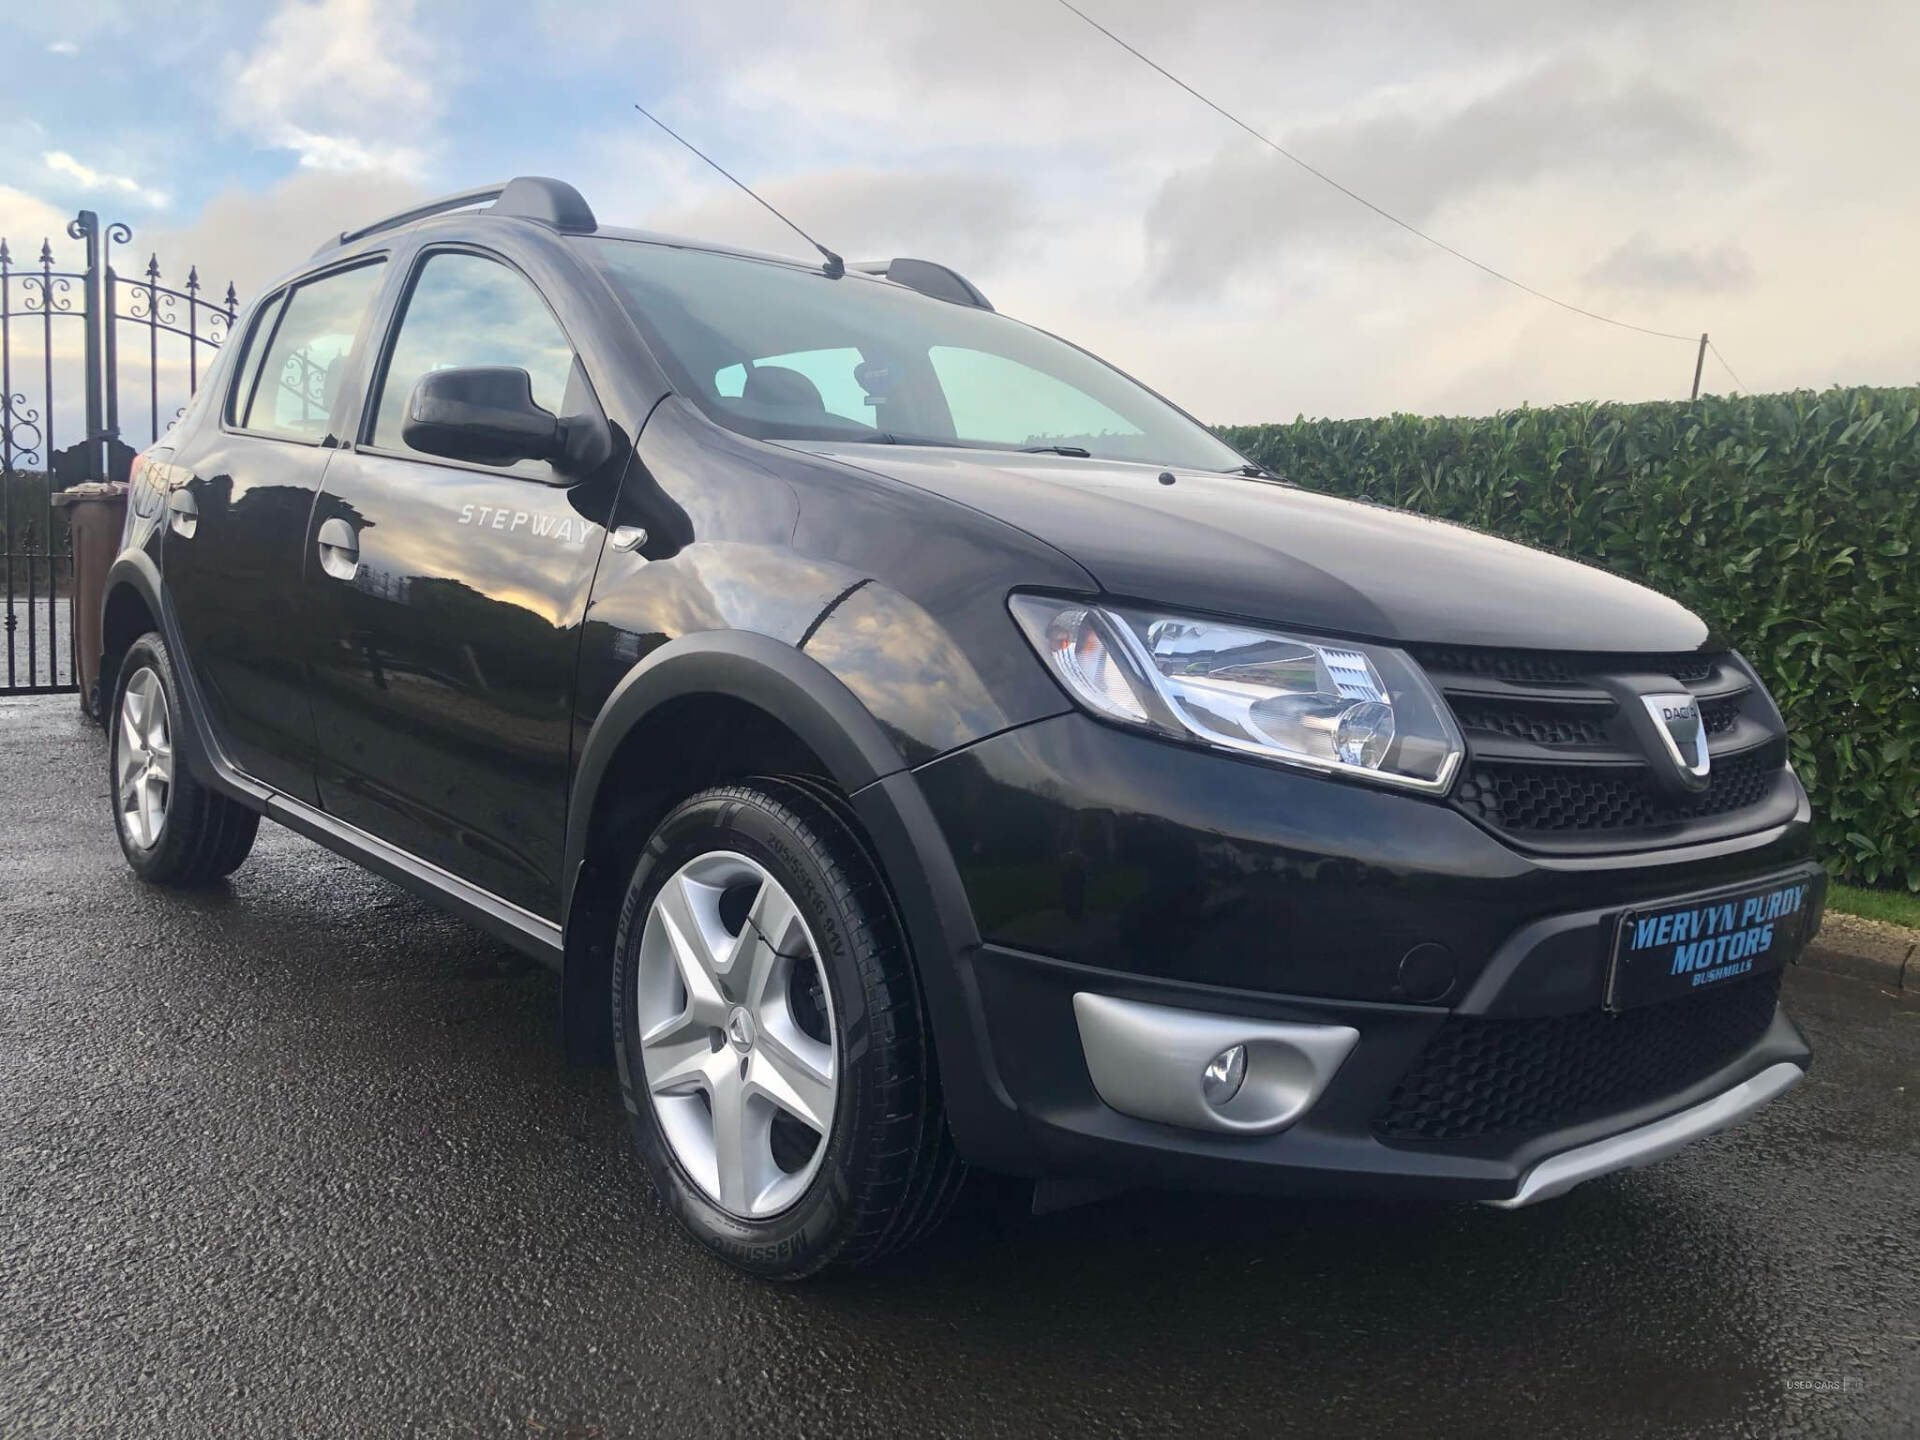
173 830
772 1049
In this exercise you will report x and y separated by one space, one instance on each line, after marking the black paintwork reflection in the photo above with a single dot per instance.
1273 552
716 558
443 671
1083 842
899 594
235 590
906 670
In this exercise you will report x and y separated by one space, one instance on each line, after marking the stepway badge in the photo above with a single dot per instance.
1665 953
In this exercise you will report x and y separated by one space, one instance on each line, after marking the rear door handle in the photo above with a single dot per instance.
339 549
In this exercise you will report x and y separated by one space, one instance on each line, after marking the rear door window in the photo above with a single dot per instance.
291 393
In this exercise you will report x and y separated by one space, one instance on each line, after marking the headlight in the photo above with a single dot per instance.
1331 705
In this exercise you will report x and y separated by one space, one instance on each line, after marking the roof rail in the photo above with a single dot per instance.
942 282
530 197
551 202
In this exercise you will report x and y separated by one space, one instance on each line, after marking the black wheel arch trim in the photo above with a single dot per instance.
136 570
866 765
768 673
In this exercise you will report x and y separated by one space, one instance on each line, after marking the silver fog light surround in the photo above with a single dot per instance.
1180 1067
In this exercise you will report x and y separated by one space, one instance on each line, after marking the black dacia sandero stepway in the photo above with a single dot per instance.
919 746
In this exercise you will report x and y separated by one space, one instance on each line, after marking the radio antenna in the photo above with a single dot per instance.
835 266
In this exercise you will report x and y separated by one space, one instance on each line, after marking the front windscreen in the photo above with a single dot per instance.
780 351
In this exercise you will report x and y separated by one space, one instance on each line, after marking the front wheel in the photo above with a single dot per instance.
773 1054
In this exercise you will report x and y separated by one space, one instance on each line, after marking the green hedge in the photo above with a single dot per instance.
1790 522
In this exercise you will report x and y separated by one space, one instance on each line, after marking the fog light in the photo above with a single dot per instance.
1224 1075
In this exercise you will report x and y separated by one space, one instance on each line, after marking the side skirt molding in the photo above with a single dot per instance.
521 929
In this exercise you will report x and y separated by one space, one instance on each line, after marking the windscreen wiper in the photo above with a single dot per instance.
1078 451
887 437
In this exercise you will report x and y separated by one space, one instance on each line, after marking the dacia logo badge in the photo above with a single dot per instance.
1676 718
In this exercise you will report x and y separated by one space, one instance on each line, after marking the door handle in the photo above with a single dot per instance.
183 514
339 549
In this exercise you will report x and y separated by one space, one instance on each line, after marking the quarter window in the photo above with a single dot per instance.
246 367
469 310
292 392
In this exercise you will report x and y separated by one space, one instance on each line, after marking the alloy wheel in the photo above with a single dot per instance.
144 778
737 1033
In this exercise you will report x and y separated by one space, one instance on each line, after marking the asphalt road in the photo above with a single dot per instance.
298 1156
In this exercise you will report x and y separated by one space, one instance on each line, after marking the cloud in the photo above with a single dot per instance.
958 217
63 47
1640 266
341 83
1681 167
27 220
249 237
342 154
87 178
1564 119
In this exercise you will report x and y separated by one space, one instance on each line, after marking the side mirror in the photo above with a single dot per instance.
482 413
486 414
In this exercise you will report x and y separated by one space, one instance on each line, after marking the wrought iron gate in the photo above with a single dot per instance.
62 360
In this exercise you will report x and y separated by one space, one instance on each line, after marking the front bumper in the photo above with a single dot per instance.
1653 1141
1057 1124
1097 862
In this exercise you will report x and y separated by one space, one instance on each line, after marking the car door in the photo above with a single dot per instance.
445 601
237 520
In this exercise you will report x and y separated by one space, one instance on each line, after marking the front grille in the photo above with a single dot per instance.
1549 799
1719 715
1481 1078
1555 763
1553 667
1543 725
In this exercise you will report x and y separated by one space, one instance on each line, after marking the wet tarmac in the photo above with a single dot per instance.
299 1156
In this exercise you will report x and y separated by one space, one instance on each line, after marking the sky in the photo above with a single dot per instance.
1741 170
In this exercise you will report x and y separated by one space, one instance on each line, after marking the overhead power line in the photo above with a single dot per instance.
1738 382
1360 199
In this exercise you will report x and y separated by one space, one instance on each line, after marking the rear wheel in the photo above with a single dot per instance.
772 1049
173 830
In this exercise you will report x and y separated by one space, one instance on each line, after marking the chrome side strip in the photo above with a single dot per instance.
1629 1151
529 932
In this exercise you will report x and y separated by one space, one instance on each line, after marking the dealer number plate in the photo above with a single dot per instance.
1685 949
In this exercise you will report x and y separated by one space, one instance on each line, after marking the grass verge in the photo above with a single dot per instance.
1896 907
